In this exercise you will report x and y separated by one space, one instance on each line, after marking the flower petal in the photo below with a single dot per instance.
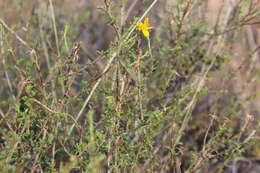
140 26
144 27
146 22
146 33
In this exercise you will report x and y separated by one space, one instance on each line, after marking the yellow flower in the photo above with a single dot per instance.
144 27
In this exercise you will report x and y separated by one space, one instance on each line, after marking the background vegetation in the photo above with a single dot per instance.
81 90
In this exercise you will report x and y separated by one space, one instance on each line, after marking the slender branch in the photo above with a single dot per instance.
54 27
44 106
14 33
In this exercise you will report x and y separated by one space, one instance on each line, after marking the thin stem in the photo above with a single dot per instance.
54 27
140 87
149 46
13 32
